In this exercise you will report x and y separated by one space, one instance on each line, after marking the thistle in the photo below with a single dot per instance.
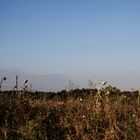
3 79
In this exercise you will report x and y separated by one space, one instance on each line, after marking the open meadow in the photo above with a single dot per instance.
70 115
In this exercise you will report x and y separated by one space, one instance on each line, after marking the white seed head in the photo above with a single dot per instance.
25 81
102 82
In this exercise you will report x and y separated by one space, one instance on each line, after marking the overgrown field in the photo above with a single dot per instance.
73 115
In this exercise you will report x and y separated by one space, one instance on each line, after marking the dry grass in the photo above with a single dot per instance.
108 118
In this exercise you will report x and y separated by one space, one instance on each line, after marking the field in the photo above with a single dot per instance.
70 115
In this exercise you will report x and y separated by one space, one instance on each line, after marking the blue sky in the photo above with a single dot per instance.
72 37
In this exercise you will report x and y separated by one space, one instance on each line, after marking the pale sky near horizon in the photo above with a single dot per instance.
72 37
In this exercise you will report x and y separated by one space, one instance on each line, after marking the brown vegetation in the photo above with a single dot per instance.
73 115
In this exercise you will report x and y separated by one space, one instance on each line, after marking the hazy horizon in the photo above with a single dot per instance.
97 40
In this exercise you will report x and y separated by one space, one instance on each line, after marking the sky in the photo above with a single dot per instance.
82 39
